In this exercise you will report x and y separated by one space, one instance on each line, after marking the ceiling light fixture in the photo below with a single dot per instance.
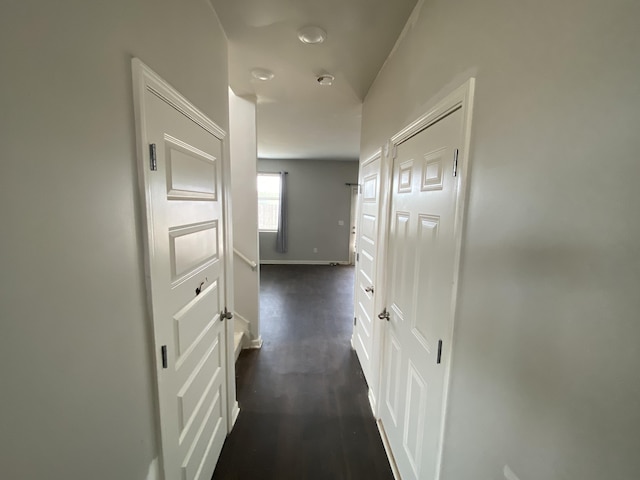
326 79
262 74
312 34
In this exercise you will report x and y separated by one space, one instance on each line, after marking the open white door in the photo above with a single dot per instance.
427 205
181 155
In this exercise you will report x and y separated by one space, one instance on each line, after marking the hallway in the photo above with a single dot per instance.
303 399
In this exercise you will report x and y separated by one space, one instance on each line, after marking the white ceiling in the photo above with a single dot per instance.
297 117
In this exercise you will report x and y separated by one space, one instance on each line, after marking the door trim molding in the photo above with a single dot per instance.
387 449
377 332
145 79
377 154
459 98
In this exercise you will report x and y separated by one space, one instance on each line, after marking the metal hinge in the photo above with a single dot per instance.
358 257
439 352
153 160
455 163
163 353
355 320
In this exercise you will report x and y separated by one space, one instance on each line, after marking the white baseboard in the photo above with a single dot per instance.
387 449
235 411
303 262
154 470
372 402
238 344
254 344
241 322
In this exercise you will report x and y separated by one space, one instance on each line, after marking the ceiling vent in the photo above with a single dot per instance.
326 79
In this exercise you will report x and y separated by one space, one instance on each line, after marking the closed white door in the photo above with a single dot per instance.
420 267
183 196
367 254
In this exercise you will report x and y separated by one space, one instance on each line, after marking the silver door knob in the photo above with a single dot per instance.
384 315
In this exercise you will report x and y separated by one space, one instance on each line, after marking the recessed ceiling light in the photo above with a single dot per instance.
326 79
312 34
262 74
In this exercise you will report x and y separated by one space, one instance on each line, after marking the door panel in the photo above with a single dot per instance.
187 279
420 279
393 361
366 266
400 245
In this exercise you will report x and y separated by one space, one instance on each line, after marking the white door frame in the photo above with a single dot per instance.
353 243
460 98
146 79
376 347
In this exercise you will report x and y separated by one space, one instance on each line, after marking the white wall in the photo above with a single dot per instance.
76 390
318 199
244 162
546 353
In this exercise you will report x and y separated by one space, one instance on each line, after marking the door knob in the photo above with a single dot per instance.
384 315
369 289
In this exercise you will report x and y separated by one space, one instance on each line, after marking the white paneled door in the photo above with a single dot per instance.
367 244
182 152
421 262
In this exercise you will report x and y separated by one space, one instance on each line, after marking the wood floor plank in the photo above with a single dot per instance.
304 412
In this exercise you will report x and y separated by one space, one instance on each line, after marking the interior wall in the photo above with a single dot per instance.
318 200
244 164
545 362
77 377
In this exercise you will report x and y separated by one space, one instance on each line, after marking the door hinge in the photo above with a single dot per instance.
355 320
455 163
163 353
439 360
153 160
358 257
394 152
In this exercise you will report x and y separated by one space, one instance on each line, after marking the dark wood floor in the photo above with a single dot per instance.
303 399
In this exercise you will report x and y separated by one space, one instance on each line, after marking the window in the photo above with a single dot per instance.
268 201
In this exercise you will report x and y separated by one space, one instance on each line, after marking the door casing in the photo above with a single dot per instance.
366 357
145 78
459 98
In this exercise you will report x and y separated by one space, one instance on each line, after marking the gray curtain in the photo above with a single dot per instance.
281 239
